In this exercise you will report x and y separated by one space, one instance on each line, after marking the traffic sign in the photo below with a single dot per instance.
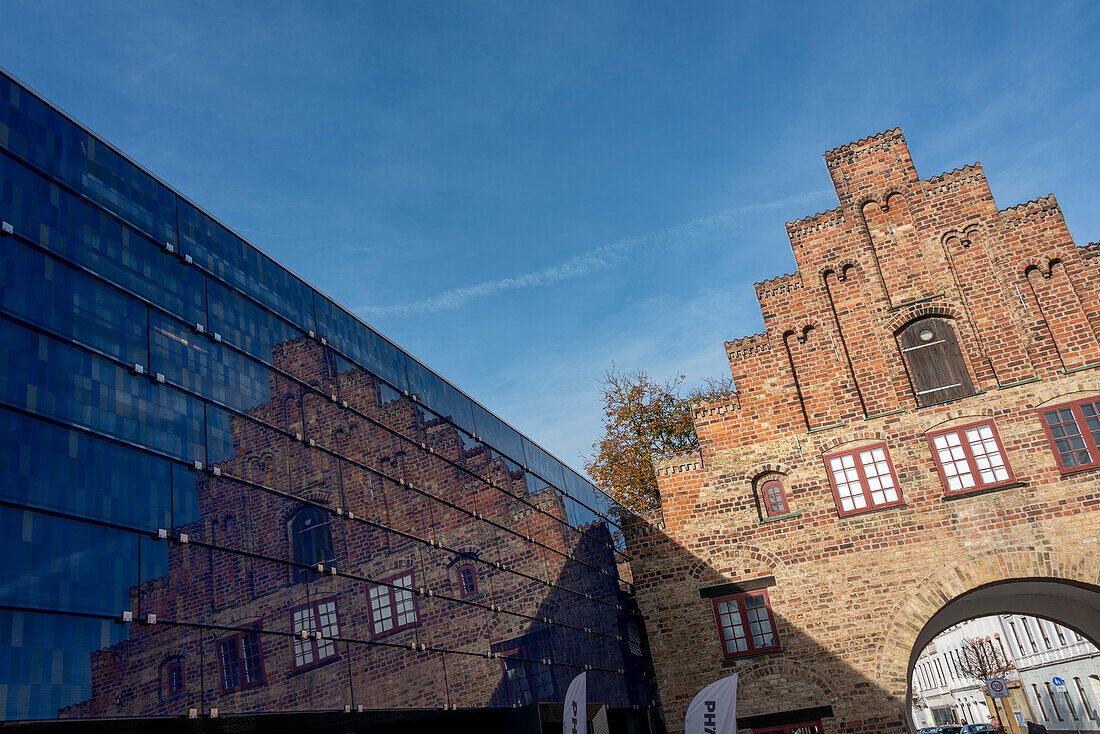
1058 683
997 688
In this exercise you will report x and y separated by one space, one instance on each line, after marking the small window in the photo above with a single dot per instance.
241 661
774 498
311 538
970 457
171 678
745 624
935 362
316 617
467 580
1073 430
863 479
393 605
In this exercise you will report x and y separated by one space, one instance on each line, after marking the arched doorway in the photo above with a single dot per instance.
1072 604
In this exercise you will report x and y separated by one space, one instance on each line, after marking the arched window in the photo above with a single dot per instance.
311 539
775 499
935 362
171 677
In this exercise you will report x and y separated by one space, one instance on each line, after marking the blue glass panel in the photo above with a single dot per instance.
543 464
56 468
198 364
44 376
259 332
244 267
185 499
351 337
440 396
31 129
65 565
78 232
45 662
496 433
50 294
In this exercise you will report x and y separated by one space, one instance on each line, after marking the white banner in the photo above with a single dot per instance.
575 716
714 709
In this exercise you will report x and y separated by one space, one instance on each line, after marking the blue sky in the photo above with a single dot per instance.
521 194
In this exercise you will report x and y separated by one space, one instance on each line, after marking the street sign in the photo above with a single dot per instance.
997 688
1058 683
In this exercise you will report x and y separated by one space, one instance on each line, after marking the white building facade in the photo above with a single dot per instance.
1042 652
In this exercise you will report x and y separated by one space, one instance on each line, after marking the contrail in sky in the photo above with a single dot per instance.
600 258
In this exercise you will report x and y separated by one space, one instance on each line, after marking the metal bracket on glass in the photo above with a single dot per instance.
217 337
359 707
8 229
332 570
138 369
340 511
344 403
312 442
199 329
312 334
184 538
198 465
324 341
150 619
303 634
192 713
169 246
320 568
162 534
160 377
127 616
188 259
347 708
213 713
351 515
316 635
334 398
297 437
217 471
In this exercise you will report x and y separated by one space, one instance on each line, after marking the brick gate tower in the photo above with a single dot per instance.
914 440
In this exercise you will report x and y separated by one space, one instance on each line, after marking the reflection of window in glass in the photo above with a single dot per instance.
316 617
1016 635
1089 710
1043 634
171 677
970 457
393 607
241 661
1073 430
863 479
467 580
528 679
745 624
935 362
1030 638
311 539
804 727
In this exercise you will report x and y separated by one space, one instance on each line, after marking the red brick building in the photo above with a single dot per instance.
914 440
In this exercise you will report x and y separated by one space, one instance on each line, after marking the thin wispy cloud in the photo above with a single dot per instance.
601 258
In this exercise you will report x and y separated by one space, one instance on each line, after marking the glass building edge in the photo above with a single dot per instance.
103 141
249 658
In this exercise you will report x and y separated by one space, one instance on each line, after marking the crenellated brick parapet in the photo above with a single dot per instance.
917 307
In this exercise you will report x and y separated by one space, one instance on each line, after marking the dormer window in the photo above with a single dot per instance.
935 363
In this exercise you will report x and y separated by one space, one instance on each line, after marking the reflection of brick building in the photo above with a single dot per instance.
918 424
283 536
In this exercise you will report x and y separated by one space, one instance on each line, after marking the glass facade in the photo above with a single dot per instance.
221 490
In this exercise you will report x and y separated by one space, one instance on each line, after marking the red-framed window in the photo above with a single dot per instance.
863 479
1073 430
803 727
528 680
319 616
774 498
745 624
241 659
467 580
171 677
393 605
970 457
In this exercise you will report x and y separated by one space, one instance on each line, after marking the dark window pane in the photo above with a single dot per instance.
440 396
1068 440
361 344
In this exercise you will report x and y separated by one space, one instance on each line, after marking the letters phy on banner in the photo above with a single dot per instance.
575 716
714 709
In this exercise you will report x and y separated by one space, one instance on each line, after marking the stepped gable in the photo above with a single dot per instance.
871 141
1041 206
782 284
956 175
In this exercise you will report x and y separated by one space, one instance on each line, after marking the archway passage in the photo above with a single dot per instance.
1071 604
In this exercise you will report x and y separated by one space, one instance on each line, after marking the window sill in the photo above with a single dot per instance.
394 631
869 510
830 427
312 666
1077 470
731 661
952 496
776 518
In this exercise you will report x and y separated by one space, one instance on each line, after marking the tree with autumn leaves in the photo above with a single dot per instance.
644 421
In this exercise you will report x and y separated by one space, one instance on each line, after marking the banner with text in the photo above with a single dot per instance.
714 709
575 716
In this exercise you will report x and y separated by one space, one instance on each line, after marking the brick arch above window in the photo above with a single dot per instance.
853 439
913 312
726 564
757 470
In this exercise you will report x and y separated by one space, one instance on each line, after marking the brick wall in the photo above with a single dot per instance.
828 374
